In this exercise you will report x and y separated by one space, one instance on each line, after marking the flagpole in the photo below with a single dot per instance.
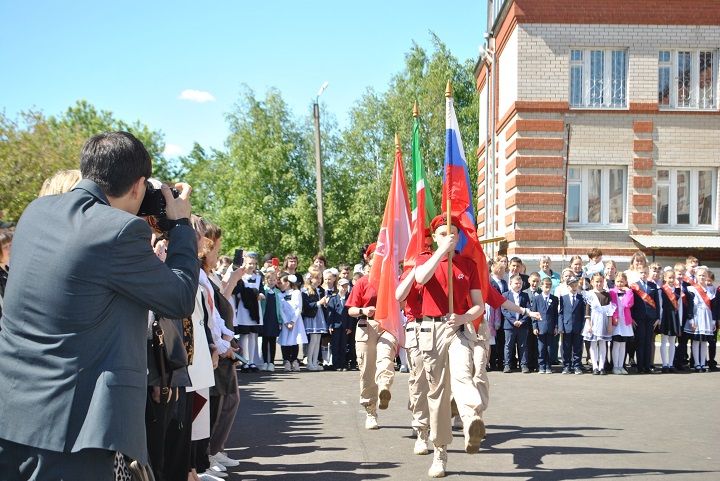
448 216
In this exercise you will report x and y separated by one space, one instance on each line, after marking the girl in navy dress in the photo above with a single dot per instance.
313 301
272 319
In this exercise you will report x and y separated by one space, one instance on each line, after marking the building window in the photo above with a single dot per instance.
596 196
686 79
598 78
686 197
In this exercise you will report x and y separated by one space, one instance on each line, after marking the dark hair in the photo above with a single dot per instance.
114 161
516 260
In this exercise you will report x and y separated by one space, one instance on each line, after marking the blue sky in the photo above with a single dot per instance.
137 58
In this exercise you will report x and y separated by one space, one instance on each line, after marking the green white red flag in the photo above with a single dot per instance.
421 202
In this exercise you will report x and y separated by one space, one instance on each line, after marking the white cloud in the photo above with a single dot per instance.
199 96
172 150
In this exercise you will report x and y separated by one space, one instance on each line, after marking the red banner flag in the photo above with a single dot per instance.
392 242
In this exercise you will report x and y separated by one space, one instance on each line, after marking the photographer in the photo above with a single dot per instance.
73 340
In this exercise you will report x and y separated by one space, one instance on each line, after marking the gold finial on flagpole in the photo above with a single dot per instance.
416 110
397 142
448 89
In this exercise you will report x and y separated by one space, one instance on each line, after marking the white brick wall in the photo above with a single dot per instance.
508 74
544 53
692 140
601 139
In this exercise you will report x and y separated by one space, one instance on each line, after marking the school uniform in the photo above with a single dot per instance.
681 352
516 335
497 351
572 320
532 340
702 326
712 345
547 306
645 311
337 320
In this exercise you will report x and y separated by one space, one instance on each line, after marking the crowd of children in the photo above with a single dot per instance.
615 316
593 318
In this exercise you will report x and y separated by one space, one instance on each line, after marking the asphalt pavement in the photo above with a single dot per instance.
302 426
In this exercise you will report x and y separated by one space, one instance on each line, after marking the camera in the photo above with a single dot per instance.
153 203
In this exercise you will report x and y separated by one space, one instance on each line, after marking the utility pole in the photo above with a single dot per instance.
318 170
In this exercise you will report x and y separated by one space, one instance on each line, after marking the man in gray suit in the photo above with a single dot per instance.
74 324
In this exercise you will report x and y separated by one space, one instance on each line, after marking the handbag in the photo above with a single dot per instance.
126 468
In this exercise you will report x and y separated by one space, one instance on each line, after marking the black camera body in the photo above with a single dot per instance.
154 201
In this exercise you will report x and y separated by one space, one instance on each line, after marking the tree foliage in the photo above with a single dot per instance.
261 187
33 147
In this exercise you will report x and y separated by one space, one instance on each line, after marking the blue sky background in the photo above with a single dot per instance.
135 58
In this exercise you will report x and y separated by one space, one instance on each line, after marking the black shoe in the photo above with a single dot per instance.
596 372
253 368
671 369
697 369
664 370
702 369
713 368
602 372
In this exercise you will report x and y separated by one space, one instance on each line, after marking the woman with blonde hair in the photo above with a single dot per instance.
63 181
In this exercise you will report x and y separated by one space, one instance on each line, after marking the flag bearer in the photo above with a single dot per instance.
375 347
440 329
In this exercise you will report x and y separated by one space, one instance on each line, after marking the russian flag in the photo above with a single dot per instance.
456 186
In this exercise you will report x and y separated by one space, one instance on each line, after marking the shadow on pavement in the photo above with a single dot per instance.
269 427
529 458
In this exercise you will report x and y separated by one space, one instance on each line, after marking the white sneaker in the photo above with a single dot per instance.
371 419
295 365
271 367
216 466
216 476
263 367
211 477
439 464
287 366
225 460
421 442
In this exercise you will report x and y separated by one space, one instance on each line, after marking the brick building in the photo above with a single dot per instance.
599 126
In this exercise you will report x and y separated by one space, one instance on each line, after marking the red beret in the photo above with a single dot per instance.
441 220
371 249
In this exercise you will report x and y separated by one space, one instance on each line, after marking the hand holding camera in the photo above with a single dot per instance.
177 208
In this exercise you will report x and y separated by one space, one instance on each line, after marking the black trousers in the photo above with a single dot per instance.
177 440
350 354
338 348
157 420
681 351
712 350
497 352
23 463
269 346
644 335
290 353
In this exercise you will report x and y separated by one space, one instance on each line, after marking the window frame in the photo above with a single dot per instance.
694 213
673 64
607 78
583 182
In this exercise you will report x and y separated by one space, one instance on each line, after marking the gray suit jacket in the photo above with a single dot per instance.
73 341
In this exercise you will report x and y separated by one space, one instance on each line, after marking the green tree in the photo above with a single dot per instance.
33 147
359 174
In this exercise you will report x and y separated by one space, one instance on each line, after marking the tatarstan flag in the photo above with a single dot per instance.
421 202
392 243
